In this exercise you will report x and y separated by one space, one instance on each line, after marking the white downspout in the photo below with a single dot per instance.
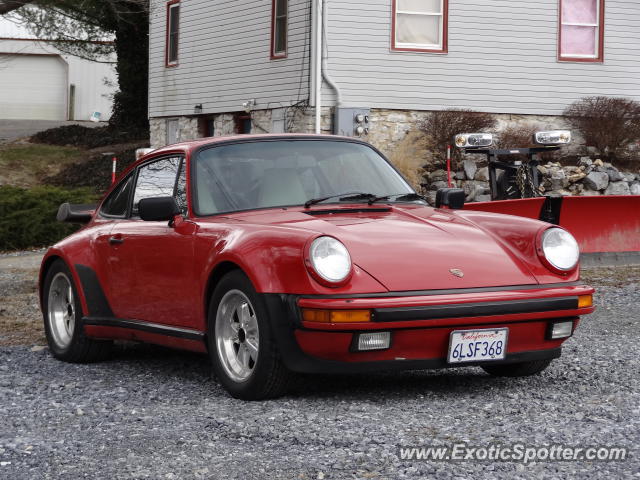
318 66
325 55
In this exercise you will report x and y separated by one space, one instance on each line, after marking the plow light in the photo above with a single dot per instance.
473 140
556 137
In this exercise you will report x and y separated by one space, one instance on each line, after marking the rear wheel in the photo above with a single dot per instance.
523 369
243 351
62 314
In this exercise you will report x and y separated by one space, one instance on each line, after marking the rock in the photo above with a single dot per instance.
589 193
470 168
543 170
482 174
617 188
628 176
558 179
38 348
570 169
634 188
614 174
483 198
576 177
597 180
597 162
585 162
460 175
561 192
438 176
438 185
431 198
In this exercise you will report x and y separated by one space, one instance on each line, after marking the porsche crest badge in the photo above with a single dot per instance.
457 272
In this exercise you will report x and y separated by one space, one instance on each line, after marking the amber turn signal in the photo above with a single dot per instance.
336 316
585 301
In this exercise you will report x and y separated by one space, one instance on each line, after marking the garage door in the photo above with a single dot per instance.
33 87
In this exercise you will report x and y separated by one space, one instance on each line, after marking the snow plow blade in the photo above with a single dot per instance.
606 227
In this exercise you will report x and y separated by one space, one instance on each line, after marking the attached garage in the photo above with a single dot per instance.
33 87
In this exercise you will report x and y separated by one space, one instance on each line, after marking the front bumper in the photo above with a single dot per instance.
420 324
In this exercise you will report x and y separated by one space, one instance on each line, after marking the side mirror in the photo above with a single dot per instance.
157 209
452 198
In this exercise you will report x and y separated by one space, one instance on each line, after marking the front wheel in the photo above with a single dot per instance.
62 314
522 369
242 348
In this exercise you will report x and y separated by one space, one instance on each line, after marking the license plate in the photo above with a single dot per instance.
477 345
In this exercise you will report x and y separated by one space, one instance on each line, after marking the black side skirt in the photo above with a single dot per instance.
167 330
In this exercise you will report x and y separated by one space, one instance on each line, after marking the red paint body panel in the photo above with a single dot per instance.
162 274
419 344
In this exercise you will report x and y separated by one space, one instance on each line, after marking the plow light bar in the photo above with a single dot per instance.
473 140
556 137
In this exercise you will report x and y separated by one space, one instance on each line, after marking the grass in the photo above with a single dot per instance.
25 165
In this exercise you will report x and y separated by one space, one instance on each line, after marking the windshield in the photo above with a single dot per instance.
275 173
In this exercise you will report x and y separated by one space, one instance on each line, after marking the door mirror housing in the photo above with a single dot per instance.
452 198
157 209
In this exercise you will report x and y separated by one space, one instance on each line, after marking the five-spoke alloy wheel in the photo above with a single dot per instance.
242 348
62 314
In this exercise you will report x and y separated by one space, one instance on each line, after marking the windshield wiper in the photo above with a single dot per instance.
399 197
341 197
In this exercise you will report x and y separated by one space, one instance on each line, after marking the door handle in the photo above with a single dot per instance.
116 240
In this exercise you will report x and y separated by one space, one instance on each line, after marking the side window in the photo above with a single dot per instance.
181 189
156 179
116 204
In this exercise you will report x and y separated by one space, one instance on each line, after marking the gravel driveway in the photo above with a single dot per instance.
154 413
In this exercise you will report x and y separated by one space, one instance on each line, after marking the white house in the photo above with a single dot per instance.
227 66
39 82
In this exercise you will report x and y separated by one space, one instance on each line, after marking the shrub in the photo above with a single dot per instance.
611 125
440 128
95 172
80 136
28 216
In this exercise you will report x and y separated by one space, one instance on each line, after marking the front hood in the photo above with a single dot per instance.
410 247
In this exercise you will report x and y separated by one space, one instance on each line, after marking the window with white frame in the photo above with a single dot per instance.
279 29
420 25
173 27
581 30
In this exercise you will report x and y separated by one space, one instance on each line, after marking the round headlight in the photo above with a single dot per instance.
560 249
330 259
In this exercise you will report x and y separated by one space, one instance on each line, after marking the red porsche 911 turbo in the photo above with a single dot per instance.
279 254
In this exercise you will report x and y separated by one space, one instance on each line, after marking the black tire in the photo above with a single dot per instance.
269 377
523 369
79 348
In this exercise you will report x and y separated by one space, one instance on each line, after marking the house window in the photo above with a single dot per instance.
279 29
173 29
581 30
420 25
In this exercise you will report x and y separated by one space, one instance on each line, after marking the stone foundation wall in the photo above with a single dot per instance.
278 120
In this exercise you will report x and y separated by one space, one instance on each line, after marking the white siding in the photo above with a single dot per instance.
91 93
224 58
502 58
